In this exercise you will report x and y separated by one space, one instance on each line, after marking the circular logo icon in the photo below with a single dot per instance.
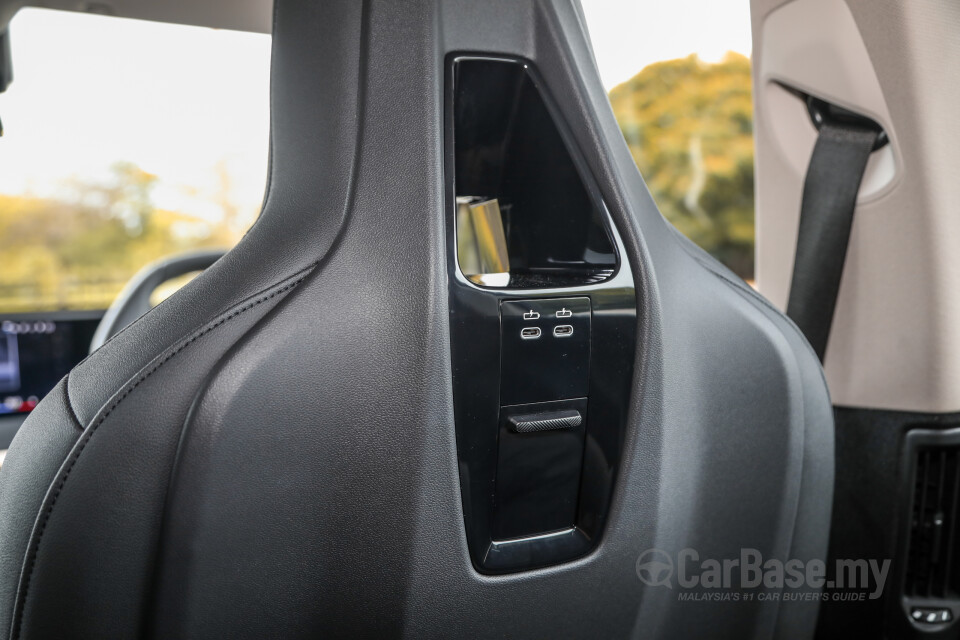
655 568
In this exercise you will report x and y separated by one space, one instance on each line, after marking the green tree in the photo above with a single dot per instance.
689 126
77 251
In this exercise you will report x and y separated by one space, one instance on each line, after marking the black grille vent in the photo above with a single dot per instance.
932 570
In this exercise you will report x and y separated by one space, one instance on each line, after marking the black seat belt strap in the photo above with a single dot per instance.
826 217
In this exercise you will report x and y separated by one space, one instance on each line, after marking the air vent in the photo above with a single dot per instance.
932 570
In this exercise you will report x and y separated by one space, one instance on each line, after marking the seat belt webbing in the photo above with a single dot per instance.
826 216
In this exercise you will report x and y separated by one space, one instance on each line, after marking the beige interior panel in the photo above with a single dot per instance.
239 15
896 333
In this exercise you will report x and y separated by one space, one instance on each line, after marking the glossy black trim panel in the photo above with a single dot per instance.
548 366
475 346
538 472
512 159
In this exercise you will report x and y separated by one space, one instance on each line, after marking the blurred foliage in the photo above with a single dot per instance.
78 250
689 126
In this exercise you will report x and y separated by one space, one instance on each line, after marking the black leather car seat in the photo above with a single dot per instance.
271 452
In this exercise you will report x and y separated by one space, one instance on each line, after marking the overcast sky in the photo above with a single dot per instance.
627 35
91 90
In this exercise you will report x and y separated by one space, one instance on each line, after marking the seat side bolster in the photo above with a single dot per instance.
37 453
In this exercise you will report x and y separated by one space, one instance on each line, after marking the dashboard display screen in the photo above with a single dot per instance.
36 352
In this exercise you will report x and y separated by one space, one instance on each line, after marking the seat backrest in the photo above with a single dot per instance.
273 451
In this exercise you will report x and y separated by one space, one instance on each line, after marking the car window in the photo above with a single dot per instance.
678 73
124 142
113 161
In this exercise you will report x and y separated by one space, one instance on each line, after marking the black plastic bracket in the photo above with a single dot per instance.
822 111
